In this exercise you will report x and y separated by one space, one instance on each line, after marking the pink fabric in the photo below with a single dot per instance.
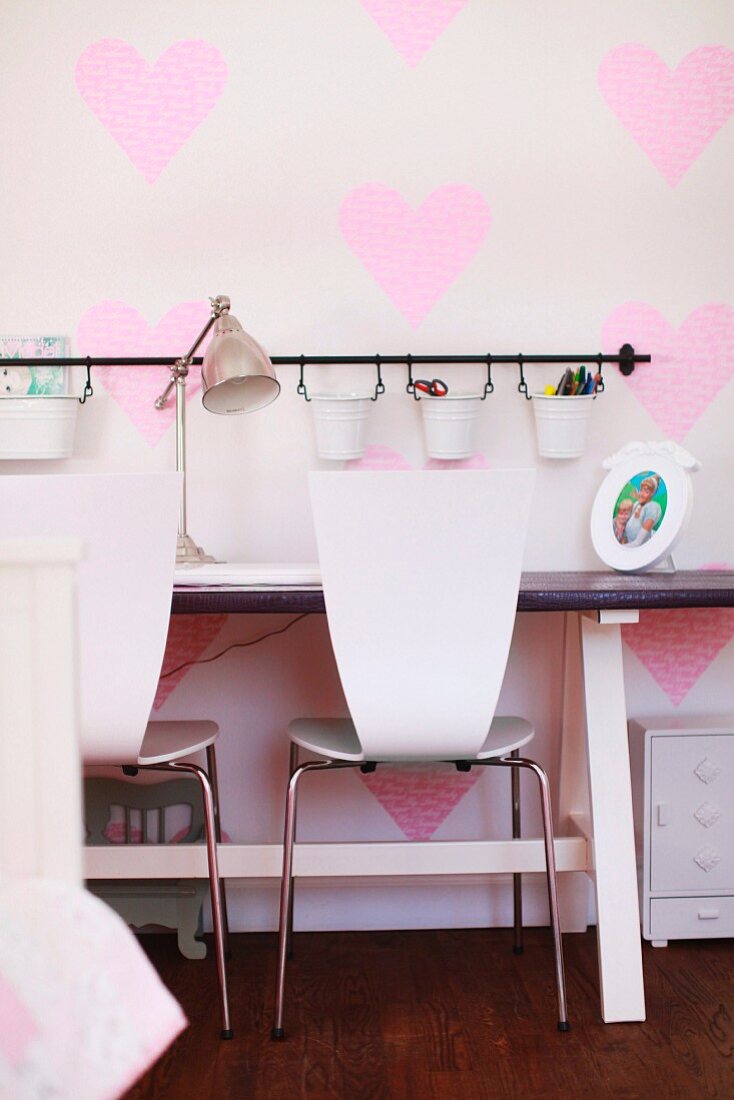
84 1013
17 1026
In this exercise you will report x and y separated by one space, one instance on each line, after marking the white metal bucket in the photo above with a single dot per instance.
561 424
37 427
340 422
450 424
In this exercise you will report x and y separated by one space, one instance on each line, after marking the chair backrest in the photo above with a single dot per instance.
421 572
124 583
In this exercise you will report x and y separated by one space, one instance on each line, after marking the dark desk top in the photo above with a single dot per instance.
603 591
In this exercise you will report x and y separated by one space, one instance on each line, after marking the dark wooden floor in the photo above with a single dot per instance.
445 1014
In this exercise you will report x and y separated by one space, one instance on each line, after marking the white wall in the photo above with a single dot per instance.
316 102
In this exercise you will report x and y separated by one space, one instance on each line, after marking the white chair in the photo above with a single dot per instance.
127 524
421 572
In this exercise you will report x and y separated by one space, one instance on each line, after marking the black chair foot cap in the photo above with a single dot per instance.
226 1033
518 950
278 1033
563 1025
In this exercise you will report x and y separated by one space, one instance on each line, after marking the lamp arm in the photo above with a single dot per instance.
214 314
180 368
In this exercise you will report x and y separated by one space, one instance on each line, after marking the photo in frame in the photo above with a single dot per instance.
642 506
43 381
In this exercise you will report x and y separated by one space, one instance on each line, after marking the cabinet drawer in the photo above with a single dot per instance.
691 918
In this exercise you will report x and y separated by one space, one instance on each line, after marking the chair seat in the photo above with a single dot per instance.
168 741
337 738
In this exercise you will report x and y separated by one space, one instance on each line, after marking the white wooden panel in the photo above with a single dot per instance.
40 795
336 860
615 874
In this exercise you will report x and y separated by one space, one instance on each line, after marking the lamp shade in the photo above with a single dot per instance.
237 374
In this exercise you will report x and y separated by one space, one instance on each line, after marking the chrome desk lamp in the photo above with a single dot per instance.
237 377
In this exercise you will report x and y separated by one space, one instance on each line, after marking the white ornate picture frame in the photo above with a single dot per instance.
642 506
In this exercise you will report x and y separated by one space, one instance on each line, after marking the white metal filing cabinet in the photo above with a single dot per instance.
683 795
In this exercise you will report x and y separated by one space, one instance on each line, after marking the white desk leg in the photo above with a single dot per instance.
615 870
574 817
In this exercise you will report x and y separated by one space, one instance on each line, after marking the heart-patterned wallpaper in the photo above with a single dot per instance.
432 233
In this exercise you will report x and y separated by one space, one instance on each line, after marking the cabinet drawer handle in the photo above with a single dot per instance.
708 914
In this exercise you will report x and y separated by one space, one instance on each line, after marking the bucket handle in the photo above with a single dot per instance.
523 386
301 387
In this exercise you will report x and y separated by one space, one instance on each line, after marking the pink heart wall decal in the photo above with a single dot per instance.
689 366
188 638
476 462
419 797
671 115
151 110
677 646
379 458
415 255
413 25
115 328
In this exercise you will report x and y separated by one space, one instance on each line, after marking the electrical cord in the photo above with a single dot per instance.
235 645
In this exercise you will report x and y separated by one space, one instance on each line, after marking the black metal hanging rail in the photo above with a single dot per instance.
626 359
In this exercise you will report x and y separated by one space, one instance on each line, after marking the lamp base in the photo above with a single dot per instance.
188 553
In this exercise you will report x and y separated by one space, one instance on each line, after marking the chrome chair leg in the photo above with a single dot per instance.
550 860
292 765
214 879
286 882
516 878
211 767
550 863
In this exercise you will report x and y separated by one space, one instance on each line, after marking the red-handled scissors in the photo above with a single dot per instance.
434 388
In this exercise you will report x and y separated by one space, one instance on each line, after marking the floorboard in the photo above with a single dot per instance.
445 1014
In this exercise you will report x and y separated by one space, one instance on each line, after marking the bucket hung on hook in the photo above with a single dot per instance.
561 424
450 424
340 423
37 427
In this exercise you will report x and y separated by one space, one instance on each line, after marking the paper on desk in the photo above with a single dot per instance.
248 575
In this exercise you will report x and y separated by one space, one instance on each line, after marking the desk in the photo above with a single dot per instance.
594 811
